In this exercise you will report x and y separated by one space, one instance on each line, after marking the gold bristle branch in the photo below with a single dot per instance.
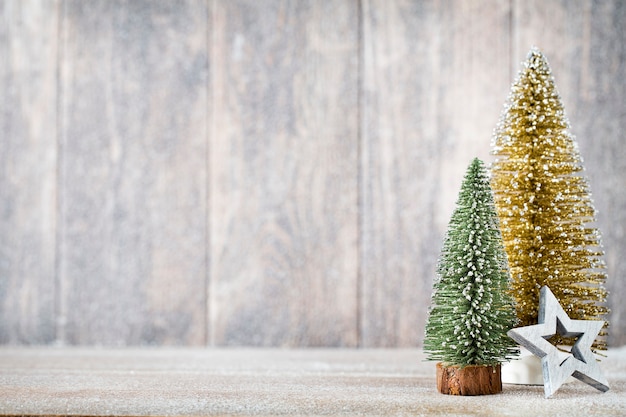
544 203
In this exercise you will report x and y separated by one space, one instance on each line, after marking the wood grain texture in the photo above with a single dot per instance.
133 145
28 47
275 173
434 81
470 380
585 44
284 173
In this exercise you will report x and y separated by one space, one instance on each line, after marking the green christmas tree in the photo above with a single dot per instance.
544 203
471 307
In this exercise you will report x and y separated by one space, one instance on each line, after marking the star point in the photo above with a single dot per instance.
580 363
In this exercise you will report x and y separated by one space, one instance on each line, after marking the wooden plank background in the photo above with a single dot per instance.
28 169
269 173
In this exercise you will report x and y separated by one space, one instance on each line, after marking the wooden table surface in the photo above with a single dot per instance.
73 381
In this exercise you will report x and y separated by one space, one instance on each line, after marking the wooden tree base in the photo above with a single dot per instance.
470 380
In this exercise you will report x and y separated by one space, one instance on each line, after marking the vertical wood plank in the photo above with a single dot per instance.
435 75
28 47
284 173
133 203
585 44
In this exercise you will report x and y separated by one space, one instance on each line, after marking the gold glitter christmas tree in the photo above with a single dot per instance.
544 204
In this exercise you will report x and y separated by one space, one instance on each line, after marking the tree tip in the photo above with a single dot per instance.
536 59
477 162
534 51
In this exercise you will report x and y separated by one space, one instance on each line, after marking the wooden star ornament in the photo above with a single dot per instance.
581 363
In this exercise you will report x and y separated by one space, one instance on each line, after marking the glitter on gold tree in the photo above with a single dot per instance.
544 204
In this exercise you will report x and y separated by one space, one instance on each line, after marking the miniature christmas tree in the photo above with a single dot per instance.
472 308
544 203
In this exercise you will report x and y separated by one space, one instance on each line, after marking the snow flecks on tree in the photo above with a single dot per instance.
471 309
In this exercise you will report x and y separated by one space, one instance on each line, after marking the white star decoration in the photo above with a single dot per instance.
581 364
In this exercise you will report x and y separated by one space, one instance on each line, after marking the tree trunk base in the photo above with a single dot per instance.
470 380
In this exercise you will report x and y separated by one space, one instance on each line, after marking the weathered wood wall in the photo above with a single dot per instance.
275 173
